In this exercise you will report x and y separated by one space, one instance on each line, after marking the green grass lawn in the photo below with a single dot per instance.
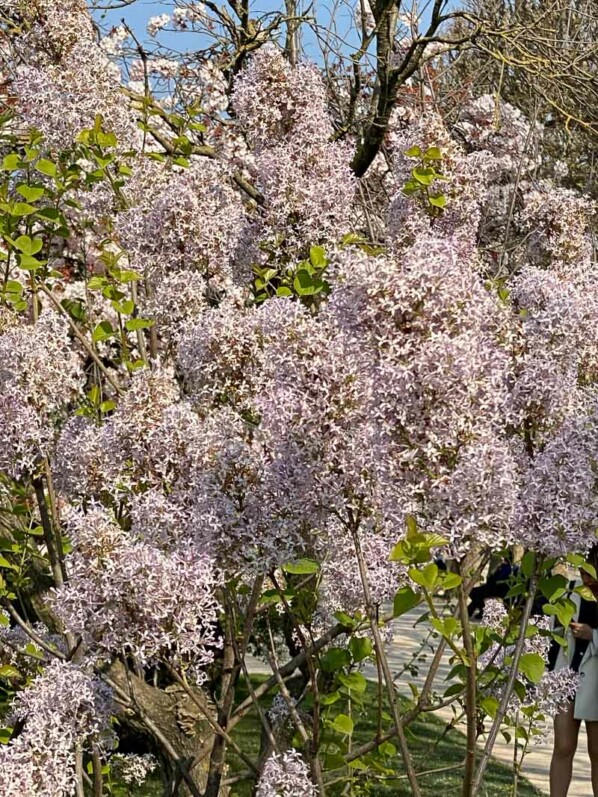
432 748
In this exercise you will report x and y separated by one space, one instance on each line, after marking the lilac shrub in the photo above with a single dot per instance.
232 423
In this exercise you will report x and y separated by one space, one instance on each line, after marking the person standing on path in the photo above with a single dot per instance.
582 656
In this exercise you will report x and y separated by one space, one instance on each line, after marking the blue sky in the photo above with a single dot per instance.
137 15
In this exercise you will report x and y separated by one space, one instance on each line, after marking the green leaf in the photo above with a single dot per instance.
31 192
284 291
427 577
8 671
27 245
387 749
433 154
22 209
404 600
434 540
343 724
448 627
128 275
125 307
411 524
328 700
103 162
553 587
134 324
97 283
302 567
30 263
589 569
453 689
11 162
411 187
304 284
490 705
317 256
334 761
527 564
107 406
410 552
586 593
335 659
425 176
413 152
6 564
270 596
5 735
136 365
46 167
95 395
345 620
563 609
103 331
355 681
52 214
360 647
75 308
532 665
450 580
352 238
438 201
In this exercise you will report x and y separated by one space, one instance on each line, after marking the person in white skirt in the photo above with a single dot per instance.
581 655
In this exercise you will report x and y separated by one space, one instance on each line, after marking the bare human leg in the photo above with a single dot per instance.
592 731
566 731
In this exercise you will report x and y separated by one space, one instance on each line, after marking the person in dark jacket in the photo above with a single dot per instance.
496 586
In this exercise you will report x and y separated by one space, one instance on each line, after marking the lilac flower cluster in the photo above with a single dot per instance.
488 124
279 713
135 444
304 177
494 615
556 223
65 79
18 650
40 374
554 690
192 223
285 775
62 709
559 503
438 345
133 768
126 596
